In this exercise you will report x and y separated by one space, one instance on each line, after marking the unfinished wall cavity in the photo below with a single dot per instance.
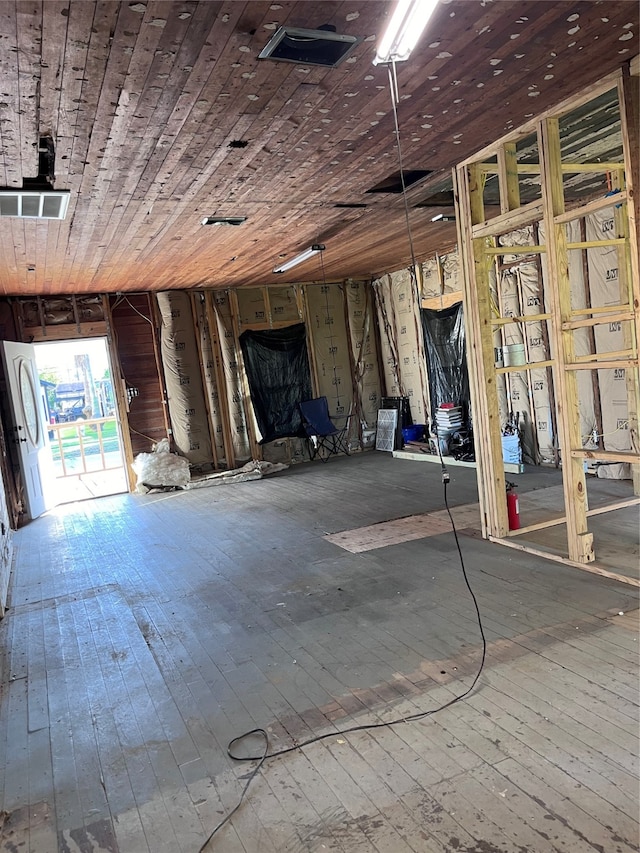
403 359
330 350
364 351
441 275
519 289
232 376
6 536
209 349
181 364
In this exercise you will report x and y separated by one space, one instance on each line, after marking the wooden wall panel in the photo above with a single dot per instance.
134 331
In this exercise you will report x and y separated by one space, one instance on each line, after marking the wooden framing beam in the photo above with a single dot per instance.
482 372
508 177
256 450
510 220
571 103
311 350
536 168
558 558
477 243
200 328
66 331
594 206
221 383
629 264
120 397
579 540
446 300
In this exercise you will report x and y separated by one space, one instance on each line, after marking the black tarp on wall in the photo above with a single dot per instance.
277 368
444 343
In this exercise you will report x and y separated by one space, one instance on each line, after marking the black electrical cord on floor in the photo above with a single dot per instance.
409 718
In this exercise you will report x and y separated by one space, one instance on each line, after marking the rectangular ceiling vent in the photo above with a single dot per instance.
49 204
309 47
393 183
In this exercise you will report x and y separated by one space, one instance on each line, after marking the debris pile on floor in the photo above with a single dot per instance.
253 470
162 470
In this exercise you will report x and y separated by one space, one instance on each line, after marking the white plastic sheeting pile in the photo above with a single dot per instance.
161 469
253 470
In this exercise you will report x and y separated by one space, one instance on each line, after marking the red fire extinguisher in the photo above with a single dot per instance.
513 507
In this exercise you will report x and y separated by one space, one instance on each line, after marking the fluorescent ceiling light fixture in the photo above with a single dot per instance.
405 28
443 217
303 256
31 204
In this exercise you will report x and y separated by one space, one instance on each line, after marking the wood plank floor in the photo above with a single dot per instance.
145 632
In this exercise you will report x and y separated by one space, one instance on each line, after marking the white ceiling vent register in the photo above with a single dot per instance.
31 204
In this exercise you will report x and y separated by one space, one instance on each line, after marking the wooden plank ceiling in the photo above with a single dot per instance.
161 114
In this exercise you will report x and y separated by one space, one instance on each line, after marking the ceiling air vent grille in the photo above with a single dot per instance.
310 47
51 204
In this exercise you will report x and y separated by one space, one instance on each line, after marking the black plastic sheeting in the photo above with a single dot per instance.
444 343
277 368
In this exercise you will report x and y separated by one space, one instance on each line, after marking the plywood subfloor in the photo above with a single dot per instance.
399 530
144 632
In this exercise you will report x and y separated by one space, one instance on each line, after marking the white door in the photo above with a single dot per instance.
29 430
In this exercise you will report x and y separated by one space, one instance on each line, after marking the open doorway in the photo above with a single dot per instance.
84 432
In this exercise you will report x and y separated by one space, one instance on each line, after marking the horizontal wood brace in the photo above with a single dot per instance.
521 318
602 365
593 568
600 356
541 525
598 321
591 207
607 455
277 324
612 507
65 331
509 221
597 244
567 168
600 309
533 365
515 250
445 300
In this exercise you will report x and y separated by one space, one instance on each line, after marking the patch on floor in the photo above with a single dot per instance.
97 837
406 529
16 825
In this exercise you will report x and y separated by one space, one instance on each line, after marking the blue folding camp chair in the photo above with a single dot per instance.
324 438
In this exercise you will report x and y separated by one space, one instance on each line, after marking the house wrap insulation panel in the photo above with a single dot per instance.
327 335
259 306
183 380
609 287
441 275
520 293
283 305
403 357
364 351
